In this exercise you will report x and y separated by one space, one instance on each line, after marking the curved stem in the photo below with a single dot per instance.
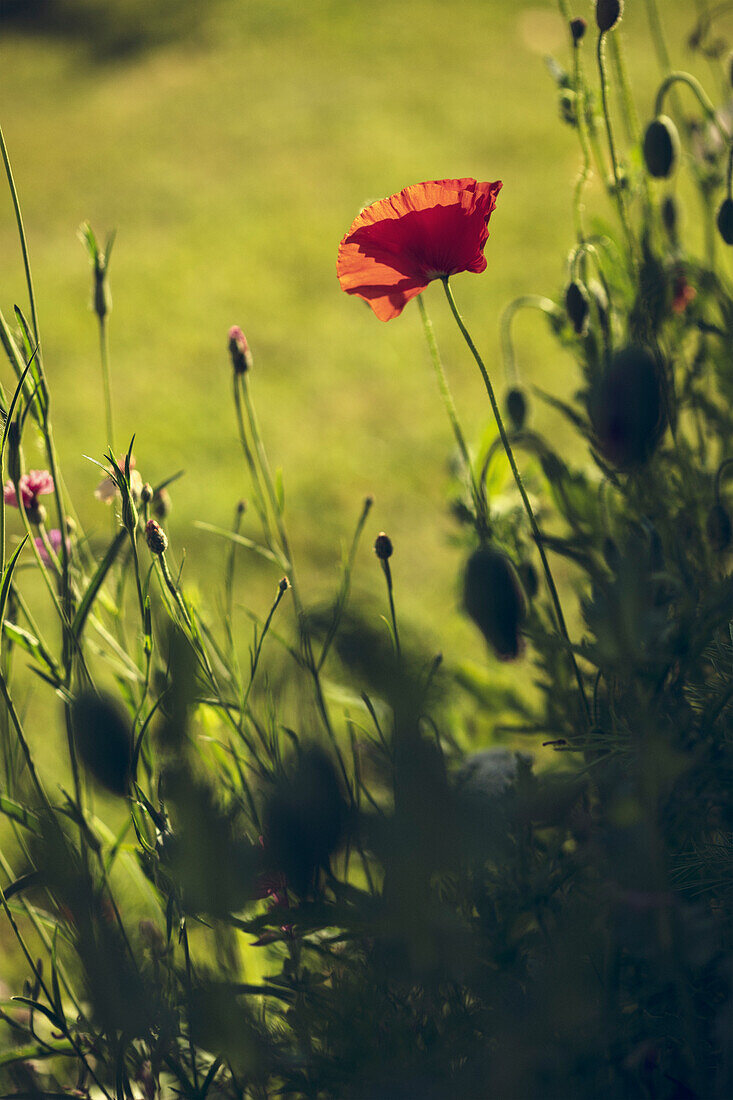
536 534
525 301
612 147
700 94
21 234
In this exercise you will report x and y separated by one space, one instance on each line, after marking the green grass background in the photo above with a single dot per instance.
231 161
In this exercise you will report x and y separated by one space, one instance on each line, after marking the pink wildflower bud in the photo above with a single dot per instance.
146 493
239 350
156 537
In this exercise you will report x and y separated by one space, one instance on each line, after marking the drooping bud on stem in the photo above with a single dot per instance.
383 546
239 350
516 407
576 303
494 599
661 147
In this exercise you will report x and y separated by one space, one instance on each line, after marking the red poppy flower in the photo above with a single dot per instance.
428 231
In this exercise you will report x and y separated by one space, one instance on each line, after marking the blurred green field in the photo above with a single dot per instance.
231 162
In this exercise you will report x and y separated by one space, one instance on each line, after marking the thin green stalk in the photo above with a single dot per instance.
479 499
525 301
13 714
700 94
536 534
21 234
281 590
104 359
260 502
390 593
618 185
585 171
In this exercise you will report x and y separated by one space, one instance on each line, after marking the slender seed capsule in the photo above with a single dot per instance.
493 597
661 147
608 13
725 220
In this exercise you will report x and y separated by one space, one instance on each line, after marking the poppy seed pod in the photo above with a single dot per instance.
103 739
661 147
627 408
718 528
516 408
576 304
608 13
494 599
725 220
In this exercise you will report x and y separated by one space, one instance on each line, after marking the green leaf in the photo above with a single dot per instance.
242 540
30 643
8 577
18 813
96 583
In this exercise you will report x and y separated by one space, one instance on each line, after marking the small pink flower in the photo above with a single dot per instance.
107 490
32 485
54 537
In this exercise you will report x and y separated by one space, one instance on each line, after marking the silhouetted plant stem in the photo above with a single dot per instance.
618 183
536 534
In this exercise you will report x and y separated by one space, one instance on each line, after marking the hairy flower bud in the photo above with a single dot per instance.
718 528
383 546
156 537
627 408
661 147
146 493
516 407
494 599
608 13
578 27
725 220
239 350
576 304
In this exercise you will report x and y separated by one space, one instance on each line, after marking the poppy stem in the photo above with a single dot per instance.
479 498
536 534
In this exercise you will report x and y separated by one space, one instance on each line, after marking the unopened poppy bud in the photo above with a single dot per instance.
103 738
578 27
156 537
162 504
576 303
36 514
284 584
239 350
670 216
725 220
608 13
516 407
718 528
146 493
383 546
627 408
661 147
493 598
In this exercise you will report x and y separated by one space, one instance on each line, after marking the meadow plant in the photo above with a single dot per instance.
292 873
